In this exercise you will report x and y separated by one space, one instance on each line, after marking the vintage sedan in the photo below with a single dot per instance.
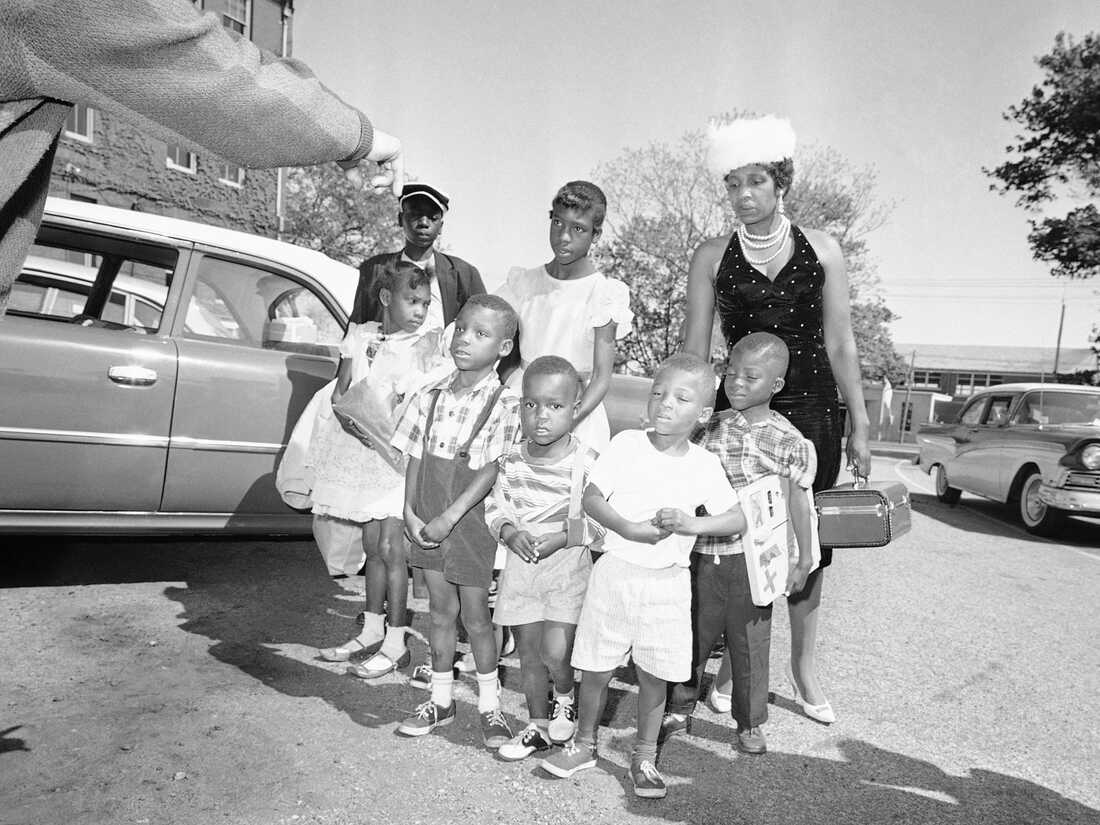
1035 447
152 370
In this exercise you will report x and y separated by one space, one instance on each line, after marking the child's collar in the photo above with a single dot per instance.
490 381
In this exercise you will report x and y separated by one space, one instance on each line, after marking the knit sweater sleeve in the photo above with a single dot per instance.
180 74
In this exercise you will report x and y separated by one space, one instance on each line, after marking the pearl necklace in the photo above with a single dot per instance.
763 241
780 236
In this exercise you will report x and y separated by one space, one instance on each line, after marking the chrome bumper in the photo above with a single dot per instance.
1076 501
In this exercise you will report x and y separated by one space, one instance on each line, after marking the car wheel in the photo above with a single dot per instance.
1036 516
944 492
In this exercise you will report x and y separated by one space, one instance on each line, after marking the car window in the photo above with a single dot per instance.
35 294
972 413
1059 408
94 280
998 410
256 307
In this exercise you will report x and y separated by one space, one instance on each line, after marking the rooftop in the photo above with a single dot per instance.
999 359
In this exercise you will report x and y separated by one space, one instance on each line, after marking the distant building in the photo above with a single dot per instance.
105 159
958 370
945 375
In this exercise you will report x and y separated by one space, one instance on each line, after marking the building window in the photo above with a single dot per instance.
236 16
231 174
180 159
80 123
926 379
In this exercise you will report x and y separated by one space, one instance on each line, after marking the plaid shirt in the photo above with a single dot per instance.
751 451
455 416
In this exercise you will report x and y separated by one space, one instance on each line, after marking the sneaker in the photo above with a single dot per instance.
648 782
569 760
563 722
421 676
751 740
673 724
428 717
528 741
719 702
495 729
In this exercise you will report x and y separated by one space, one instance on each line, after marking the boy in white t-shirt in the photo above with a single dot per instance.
645 489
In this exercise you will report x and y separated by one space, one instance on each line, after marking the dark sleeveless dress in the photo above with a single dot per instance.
791 308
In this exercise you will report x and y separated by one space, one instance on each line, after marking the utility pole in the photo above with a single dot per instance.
1061 323
905 416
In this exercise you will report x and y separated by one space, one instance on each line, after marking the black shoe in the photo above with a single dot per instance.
751 740
672 724
648 782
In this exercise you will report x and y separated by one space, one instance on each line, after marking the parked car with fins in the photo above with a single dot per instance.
1035 447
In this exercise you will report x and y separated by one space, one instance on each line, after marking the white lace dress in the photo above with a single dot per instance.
560 318
352 481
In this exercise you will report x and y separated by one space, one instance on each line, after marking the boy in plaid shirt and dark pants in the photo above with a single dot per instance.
753 441
453 432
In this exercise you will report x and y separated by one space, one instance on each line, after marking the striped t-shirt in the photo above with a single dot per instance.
536 490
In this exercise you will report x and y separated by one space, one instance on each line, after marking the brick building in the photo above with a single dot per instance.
105 159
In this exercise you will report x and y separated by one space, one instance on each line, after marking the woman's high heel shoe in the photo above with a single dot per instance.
819 713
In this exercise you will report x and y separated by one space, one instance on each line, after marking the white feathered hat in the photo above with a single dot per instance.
767 139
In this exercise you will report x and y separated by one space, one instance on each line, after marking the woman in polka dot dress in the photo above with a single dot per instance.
772 276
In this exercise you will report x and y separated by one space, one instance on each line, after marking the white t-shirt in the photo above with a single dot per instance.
638 480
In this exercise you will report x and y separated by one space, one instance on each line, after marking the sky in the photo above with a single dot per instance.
499 103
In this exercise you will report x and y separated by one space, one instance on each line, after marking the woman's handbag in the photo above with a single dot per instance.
862 513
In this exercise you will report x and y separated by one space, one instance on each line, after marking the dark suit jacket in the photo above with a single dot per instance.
457 279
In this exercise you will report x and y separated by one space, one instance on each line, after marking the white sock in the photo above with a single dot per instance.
394 645
487 687
374 628
564 698
443 687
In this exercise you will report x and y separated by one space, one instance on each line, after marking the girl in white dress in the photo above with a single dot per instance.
381 365
570 309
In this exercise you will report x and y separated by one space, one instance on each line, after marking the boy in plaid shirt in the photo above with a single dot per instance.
753 441
453 432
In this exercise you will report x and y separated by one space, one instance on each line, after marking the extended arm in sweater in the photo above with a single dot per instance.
178 73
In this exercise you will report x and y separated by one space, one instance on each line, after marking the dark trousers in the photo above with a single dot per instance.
722 603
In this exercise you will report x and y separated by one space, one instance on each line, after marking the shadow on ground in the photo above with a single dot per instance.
251 598
991 518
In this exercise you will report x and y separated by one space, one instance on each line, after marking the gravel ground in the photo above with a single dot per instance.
167 682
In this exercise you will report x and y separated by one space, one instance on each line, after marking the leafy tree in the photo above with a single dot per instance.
327 213
1058 154
877 356
664 202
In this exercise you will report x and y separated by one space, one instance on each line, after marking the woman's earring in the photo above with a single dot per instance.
779 205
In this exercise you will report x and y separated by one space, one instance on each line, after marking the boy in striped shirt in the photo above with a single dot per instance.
535 510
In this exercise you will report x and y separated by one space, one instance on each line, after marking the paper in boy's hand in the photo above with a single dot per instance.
765 539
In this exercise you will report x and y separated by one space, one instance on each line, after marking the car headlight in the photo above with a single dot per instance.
1090 456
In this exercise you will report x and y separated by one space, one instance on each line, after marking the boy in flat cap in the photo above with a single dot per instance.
452 280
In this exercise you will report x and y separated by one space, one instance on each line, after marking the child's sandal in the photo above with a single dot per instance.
347 650
379 665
